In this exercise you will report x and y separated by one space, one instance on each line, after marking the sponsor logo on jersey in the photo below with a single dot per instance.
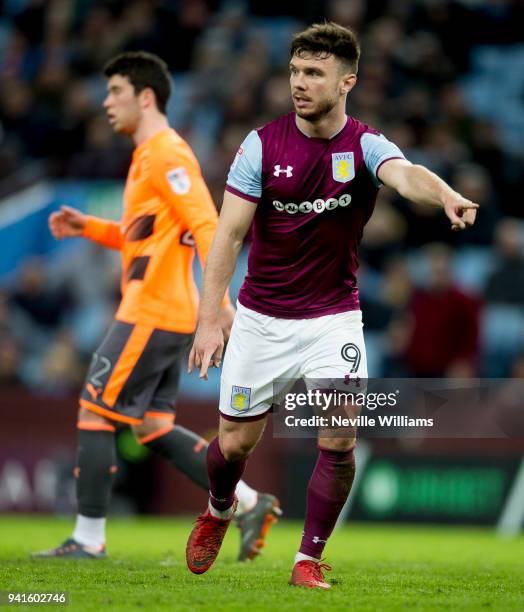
319 205
179 180
343 167
287 171
240 398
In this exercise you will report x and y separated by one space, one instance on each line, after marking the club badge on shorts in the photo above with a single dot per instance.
343 166
240 398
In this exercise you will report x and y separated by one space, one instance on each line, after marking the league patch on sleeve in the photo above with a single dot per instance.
240 398
179 180
239 154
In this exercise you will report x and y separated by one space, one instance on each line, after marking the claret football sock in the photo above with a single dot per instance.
187 452
223 477
327 493
95 472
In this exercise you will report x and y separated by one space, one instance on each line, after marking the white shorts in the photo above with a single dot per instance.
263 349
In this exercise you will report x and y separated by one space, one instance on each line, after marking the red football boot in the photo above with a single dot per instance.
309 574
205 541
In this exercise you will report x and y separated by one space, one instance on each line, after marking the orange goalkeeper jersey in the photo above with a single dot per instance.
167 210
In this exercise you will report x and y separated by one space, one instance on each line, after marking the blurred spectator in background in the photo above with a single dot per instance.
505 285
62 372
102 156
385 233
396 287
475 183
44 305
37 309
442 324
10 352
503 316
9 363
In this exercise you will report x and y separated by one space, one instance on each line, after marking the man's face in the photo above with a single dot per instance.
317 85
122 105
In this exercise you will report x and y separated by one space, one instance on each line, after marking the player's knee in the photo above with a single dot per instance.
88 416
337 444
238 439
151 426
235 447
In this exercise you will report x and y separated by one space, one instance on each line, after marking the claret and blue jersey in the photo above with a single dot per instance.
314 197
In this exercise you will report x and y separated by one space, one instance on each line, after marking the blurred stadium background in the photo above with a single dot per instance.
444 80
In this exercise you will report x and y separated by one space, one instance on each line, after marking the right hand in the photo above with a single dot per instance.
225 319
460 211
207 348
67 223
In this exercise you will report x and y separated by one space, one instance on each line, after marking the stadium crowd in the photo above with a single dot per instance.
441 79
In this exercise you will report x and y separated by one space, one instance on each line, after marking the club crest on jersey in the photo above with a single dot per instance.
179 180
343 166
240 398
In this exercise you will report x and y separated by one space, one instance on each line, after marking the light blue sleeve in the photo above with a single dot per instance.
245 174
377 149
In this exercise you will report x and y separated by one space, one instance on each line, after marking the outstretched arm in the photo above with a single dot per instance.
420 185
235 218
71 223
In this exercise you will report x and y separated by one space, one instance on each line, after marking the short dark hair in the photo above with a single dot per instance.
328 38
143 70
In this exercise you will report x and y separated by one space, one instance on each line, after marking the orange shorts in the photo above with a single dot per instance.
136 370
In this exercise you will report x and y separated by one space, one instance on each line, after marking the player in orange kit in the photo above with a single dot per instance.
134 374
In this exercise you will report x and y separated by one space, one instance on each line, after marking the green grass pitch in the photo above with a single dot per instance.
385 568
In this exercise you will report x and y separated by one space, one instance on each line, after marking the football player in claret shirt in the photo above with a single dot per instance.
134 374
307 182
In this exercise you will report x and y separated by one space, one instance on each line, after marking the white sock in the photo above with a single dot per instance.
302 557
247 498
221 514
90 531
